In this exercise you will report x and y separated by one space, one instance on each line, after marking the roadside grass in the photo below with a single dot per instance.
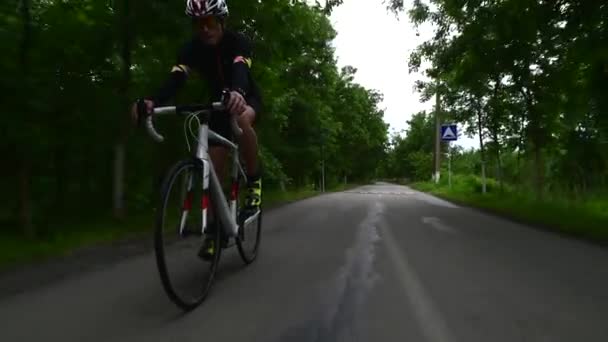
62 240
65 239
582 218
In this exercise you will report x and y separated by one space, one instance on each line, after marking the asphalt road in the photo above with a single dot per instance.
376 263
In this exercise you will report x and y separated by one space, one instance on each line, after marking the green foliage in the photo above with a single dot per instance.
74 67
474 184
411 156
421 164
527 77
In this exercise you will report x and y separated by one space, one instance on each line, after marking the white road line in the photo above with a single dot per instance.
436 223
431 322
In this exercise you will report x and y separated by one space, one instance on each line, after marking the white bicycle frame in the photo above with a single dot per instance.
227 212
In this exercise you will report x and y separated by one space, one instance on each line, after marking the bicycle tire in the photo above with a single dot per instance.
159 239
248 255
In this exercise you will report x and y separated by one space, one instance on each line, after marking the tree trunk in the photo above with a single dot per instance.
481 149
119 172
437 151
61 175
537 141
538 158
89 168
494 134
520 148
25 200
25 43
500 170
120 146
24 168
495 128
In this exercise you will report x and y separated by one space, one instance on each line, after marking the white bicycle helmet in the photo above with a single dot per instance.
200 8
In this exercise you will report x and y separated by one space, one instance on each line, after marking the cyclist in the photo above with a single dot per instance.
223 58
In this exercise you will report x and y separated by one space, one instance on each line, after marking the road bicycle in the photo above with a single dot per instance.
180 227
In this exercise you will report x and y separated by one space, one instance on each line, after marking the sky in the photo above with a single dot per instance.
378 43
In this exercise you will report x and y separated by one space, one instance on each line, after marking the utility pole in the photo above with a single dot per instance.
437 135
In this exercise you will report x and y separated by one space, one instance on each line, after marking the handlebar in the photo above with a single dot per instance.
219 106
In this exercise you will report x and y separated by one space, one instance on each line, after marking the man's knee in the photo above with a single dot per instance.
246 119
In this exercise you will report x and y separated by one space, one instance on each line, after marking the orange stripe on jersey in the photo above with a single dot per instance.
239 59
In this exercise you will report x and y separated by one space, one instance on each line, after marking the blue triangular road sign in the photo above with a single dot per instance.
448 134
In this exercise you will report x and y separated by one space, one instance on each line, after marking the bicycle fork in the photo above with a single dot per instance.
205 198
187 206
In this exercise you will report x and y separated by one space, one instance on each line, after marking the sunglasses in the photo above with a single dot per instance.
209 22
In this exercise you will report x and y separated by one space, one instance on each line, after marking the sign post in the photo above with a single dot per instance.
449 166
449 132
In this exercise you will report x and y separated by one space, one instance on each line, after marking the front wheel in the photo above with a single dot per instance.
186 278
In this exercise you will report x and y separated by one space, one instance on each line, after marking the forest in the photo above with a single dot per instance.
527 78
71 70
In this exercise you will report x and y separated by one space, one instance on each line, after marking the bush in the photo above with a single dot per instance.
272 169
476 184
422 165
472 184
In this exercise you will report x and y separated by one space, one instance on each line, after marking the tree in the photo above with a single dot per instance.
78 65
412 154
527 76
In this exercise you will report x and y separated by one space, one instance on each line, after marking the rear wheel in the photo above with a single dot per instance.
250 226
186 278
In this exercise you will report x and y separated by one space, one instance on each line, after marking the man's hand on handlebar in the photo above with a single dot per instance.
134 111
236 103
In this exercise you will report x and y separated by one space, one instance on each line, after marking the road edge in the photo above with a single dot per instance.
31 275
518 220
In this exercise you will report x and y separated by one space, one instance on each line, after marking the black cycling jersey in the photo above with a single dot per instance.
223 66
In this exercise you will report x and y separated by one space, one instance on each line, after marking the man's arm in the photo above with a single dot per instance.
177 78
241 65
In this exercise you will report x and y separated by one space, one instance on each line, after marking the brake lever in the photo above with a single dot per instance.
225 99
